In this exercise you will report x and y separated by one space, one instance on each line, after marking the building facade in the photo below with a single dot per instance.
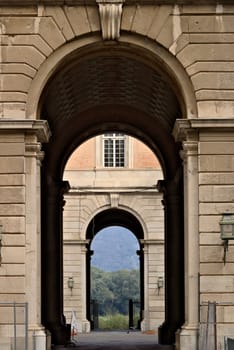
161 71
113 172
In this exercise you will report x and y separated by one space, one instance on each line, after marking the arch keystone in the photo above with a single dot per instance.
110 12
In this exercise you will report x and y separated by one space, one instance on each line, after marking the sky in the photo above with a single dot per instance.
115 249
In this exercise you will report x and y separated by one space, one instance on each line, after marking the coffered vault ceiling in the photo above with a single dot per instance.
109 80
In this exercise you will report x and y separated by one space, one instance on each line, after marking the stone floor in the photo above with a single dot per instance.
132 340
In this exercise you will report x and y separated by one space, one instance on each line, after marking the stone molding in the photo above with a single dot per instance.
38 127
110 12
33 149
92 2
184 128
152 241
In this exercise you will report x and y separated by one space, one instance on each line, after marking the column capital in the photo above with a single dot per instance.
190 148
171 186
183 130
33 149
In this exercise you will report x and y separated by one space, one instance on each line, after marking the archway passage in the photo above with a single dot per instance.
123 89
115 280
121 218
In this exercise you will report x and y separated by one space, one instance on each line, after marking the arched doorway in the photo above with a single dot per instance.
115 297
123 89
116 217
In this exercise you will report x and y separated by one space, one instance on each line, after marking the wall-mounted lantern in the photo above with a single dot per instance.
159 283
227 230
0 245
70 283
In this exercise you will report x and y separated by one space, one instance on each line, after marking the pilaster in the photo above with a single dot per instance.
52 239
33 153
174 260
22 139
86 327
187 337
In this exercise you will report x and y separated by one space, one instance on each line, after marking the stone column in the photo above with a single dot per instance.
52 264
85 323
189 335
33 155
174 260
145 322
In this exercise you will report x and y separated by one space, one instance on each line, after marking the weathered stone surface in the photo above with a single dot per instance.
209 223
216 80
144 15
78 19
208 52
216 147
13 224
12 179
12 195
11 165
49 31
217 284
212 253
211 24
217 163
202 39
93 16
217 268
10 149
217 194
160 19
216 178
22 54
59 16
12 209
12 284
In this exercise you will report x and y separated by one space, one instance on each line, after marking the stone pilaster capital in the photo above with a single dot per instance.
57 189
39 128
110 12
190 149
183 130
32 149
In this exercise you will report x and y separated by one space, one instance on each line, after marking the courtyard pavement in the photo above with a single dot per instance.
132 340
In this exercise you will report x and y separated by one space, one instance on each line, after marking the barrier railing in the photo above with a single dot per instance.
209 321
14 324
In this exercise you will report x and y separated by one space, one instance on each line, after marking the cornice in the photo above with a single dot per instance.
38 127
127 2
185 127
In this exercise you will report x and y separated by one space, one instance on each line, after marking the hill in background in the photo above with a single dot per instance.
115 249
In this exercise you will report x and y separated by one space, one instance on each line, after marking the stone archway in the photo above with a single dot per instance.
116 217
110 92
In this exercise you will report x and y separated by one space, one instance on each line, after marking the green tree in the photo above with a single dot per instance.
112 290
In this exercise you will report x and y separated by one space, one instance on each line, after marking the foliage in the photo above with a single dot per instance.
116 321
112 290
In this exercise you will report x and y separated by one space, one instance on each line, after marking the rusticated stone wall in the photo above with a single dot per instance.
197 36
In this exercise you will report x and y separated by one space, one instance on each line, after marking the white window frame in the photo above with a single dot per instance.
114 137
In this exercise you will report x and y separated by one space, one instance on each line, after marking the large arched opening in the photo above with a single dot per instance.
103 88
122 218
